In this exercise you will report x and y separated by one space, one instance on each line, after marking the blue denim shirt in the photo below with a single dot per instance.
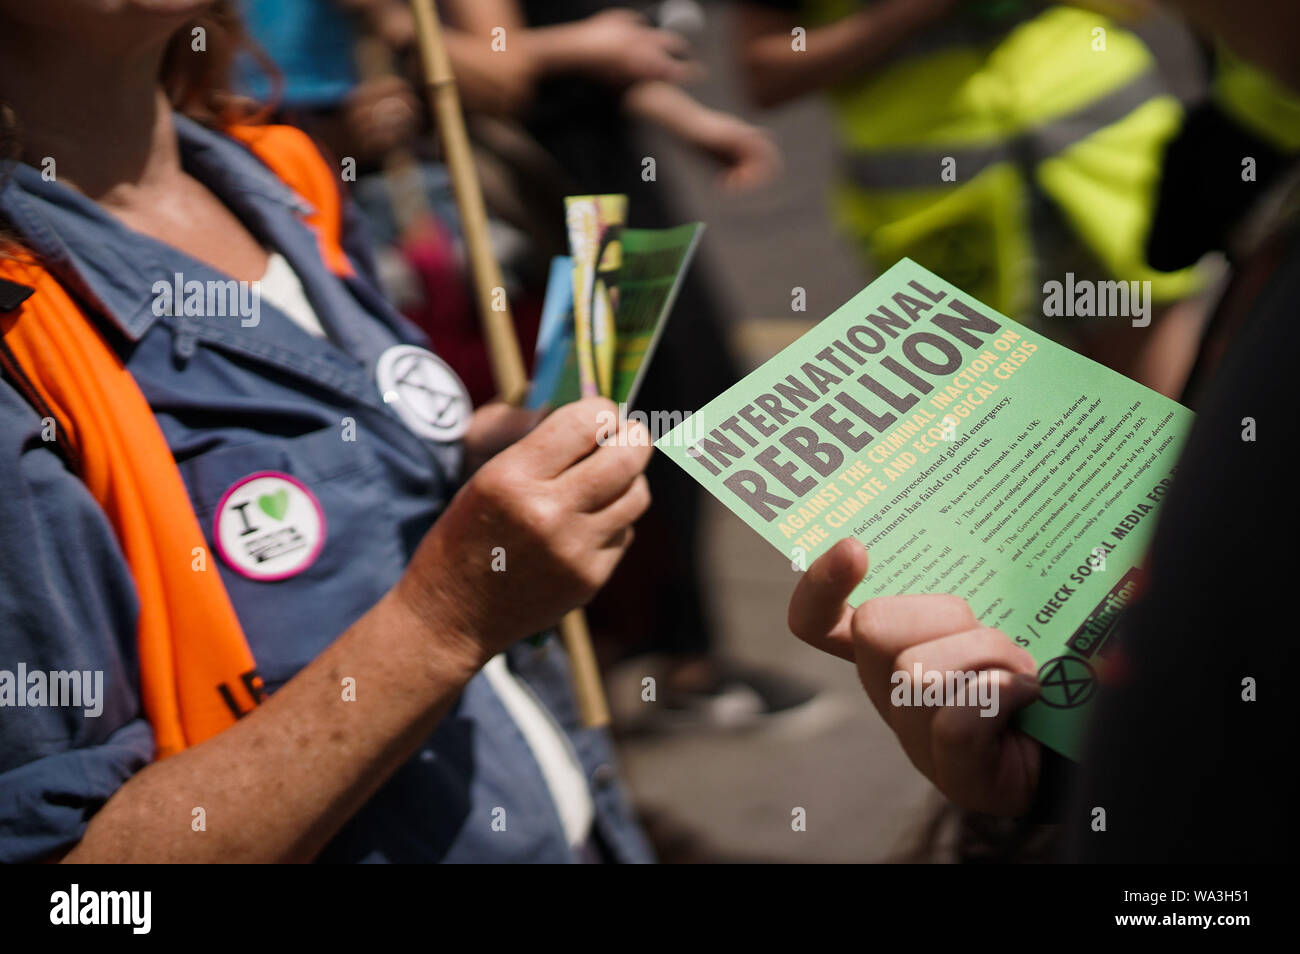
233 400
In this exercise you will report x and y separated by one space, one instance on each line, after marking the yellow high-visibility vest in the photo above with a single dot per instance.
995 150
1257 101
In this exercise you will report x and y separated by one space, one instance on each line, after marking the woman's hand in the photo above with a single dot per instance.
494 427
534 533
978 761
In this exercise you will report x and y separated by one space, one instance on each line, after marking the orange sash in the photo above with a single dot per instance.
196 670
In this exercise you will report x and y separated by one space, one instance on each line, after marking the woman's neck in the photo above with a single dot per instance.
103 119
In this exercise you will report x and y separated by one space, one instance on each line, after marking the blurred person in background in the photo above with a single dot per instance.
345 72
1186 763
999 143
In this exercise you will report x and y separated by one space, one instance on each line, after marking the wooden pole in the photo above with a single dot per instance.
494 311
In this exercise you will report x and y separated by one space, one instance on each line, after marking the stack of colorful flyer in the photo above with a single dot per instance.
969 455
606 305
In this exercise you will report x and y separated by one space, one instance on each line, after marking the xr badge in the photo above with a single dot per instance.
425 392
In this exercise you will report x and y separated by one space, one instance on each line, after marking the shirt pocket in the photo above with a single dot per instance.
289 621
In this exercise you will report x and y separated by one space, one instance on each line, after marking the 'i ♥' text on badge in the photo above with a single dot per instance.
269 526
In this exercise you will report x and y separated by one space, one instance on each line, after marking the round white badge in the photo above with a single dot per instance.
269 526
425 392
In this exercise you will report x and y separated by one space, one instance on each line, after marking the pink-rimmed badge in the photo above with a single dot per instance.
269 526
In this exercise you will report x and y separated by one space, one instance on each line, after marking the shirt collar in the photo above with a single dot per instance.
111 267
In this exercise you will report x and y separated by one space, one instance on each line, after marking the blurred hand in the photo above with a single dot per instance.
747 153
393 22
381 114
981 763
533 534
621 48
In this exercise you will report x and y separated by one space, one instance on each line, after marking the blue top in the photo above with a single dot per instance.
310 41
233 400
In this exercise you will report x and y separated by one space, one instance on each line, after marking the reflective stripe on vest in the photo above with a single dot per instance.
920 167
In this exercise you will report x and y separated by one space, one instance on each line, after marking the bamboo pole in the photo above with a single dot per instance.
503 349
498 328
